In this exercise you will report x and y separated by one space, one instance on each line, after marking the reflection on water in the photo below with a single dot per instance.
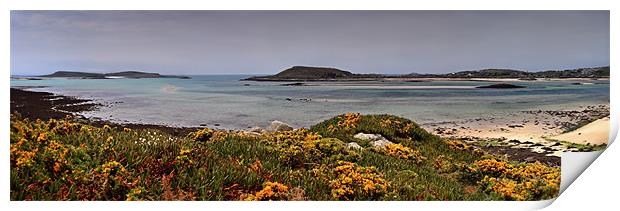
235 104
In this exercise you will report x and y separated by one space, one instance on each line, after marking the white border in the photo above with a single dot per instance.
585 192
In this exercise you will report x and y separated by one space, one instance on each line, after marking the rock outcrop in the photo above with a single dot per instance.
376 140
353 145
277 126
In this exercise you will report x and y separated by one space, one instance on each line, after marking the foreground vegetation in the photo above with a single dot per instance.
580 147
65 160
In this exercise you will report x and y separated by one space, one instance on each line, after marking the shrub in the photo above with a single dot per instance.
460 146
301 147
394 128
402 152
135 194
532 181
346 122
201 135
64 160
271 191
356 182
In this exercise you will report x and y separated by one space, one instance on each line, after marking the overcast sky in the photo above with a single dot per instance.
266 42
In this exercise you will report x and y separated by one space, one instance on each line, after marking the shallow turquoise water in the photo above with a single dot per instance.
235 104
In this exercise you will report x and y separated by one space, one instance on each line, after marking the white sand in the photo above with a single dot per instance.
398 87
537 131
492 79
595 133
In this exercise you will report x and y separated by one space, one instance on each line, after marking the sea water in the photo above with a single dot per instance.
229 103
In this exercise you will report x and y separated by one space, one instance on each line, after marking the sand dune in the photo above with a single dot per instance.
596 132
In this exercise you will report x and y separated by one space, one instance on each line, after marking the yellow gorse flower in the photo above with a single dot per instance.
185 151
201 135
219 136
135 194
42 137
346 122
354 181
25 159
402 152
112 168
270 191
517 182
458 145
184 158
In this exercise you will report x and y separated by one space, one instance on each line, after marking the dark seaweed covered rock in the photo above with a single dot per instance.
293 84
501 86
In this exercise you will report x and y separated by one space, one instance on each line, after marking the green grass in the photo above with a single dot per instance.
72 162
580 147
582 123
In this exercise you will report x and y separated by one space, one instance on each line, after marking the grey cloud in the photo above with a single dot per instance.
263 42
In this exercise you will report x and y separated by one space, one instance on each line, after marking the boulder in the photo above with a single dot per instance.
381 143
253 134
376 140
354 145
256 129
277 126
368 137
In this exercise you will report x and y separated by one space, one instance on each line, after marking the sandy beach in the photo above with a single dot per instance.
593 133
396 87
539 131
492 79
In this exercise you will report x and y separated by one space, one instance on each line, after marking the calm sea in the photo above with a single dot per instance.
235 104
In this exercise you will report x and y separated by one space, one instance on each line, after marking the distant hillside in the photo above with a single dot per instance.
125 74
595 72
313 72
71 74
490 73
134 74
303 73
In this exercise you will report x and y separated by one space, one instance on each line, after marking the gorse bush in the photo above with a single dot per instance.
65 160
301 147
396 129
345 122
356 182
402 152
270 191
532 181
201 135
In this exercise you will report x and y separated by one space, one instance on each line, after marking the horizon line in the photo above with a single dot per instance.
147 71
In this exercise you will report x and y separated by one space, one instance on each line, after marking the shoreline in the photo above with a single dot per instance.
421 79
593 133
47 103
548 132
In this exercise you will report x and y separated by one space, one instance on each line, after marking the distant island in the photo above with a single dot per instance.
594 72
304 73
124 74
